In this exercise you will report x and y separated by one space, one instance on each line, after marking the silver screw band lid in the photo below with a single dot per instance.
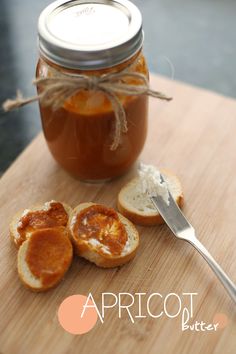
88 35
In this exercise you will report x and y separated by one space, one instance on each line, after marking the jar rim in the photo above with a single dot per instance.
73 33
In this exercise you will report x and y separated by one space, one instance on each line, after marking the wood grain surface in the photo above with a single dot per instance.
193 136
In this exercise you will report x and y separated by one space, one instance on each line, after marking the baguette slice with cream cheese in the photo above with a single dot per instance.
103 236
137 206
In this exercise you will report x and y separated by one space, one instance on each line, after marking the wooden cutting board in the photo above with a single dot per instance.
194 136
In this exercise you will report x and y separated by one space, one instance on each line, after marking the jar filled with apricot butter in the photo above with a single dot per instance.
92 80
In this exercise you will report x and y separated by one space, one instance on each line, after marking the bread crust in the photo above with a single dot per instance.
89 252
140 218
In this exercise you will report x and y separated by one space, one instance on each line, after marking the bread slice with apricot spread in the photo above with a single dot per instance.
49 215
102 236
44 258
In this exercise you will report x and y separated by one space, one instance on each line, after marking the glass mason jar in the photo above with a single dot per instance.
93 39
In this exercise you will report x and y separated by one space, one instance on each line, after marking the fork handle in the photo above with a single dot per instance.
222 276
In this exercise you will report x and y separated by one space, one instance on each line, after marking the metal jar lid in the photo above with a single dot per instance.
87 35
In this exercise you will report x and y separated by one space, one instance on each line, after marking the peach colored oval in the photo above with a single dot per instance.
222 319
70 311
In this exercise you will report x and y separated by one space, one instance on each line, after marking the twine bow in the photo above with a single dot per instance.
54 91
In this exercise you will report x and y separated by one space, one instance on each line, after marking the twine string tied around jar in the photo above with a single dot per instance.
54 91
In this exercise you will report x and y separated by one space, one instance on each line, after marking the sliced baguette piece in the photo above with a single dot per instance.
50 253
92 252
138 208
14 234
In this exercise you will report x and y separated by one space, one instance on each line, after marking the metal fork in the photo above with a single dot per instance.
183 230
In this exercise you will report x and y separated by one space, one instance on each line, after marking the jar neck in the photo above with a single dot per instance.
129 63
